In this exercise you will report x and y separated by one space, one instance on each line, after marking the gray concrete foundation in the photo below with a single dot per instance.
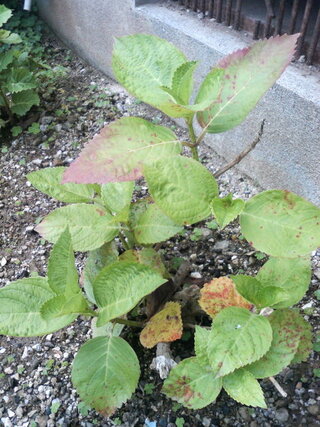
288 156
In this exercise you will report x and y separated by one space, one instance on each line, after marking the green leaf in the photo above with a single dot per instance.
89 226
285 341
291 275
20 79
247 75
97 260
105 373
182 188
146 256
120 150
116 196
261 295
201 337
62 305
23 101
281 224
238 337
48 181
244 388
5 14
154 226
109 329
120 286
305 343
226 210
192 385
182 82
62 273
9 38
20 306
6 59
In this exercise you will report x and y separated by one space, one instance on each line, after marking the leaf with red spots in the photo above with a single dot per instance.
238 337
120 150
165 326
105 373
285 341
219 294
281 224
248 74
192 385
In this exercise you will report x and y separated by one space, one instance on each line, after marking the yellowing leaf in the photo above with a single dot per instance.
219 294
165 326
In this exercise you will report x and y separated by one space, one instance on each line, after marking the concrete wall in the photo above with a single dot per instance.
289 153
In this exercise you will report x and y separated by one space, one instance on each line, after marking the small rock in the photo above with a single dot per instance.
8 371
206 422
11 414
6 422
282 415
222 245
3 262
195 275
244 413
313 409
37 162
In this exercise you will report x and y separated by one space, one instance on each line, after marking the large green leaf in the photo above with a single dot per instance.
226 209
6 58
192 385
244 388
90 226
305 344
281 224
201 337
291 275
62 273
9 38
97 260
20 309
120 150
117 196
261 295
154 226
105 373
20 79
146 256
48 181
155 71
285 341
5 14
23 101
182 188
62 305
248 74
120 286
238 337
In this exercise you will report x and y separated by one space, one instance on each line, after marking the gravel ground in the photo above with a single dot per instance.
35 387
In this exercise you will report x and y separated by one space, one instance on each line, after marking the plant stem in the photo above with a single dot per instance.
242 154
6 105
278 387
128 322
193 138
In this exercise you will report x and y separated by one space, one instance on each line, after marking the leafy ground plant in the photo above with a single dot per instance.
17 78
254 332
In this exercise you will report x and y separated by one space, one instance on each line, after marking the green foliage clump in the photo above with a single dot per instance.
255 332
17 74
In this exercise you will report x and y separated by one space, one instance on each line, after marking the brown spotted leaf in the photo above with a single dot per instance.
165 326
305 343
192 385
247 75
219 294
120 150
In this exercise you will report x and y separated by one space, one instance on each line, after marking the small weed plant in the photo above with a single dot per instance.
255 333
17 75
